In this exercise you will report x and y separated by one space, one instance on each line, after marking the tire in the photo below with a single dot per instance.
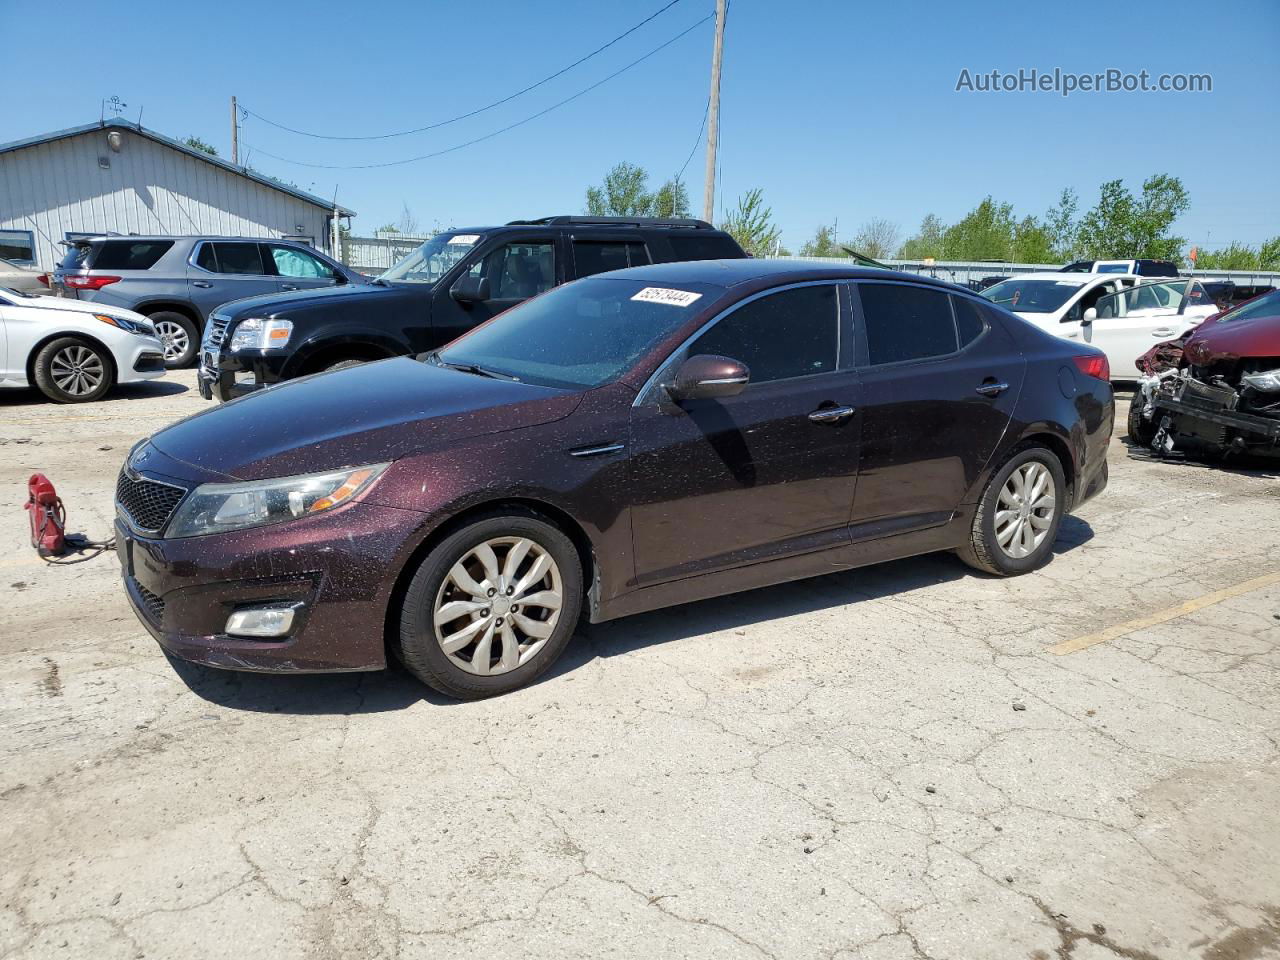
983 550
73 370
180 337
1141 431
342 365
437 586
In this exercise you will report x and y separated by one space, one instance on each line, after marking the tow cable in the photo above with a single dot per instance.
49 527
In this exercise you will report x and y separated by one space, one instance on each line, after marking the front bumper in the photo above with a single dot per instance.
338 569
225 376
142 359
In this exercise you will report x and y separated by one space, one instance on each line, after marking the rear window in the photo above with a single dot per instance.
692 246
75 256
130 254
596 256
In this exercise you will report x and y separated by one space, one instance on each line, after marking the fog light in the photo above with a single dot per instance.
261 622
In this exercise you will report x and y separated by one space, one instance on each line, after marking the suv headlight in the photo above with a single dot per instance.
1268 381
137 327
256 334
219 507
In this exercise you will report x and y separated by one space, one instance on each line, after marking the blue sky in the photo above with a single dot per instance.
837 110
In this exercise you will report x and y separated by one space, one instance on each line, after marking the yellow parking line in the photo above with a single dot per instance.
1170 613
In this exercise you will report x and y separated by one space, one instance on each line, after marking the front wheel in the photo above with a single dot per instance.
179 336
71 370
1018 515
491 607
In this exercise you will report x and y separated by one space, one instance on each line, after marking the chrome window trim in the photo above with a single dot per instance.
649 384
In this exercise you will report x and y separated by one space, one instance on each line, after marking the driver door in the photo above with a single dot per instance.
515 270
1131 322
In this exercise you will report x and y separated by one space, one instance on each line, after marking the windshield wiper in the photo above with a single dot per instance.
476 369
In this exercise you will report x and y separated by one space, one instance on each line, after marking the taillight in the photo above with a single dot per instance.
88 283
1095 365
44 278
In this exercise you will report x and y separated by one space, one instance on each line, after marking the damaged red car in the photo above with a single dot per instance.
1218 389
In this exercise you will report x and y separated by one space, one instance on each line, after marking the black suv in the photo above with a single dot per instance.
448 285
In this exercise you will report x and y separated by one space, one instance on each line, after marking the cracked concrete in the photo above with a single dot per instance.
827 769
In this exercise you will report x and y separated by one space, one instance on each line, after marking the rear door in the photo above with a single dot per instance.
601 253
516 270
297 269
940 379
224 270
1131 322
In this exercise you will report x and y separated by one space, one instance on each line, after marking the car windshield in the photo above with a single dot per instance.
431 261
1267 305
1032 296
581 335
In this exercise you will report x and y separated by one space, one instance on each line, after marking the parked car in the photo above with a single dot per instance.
73 352
1227 293
24 279
1138 268
1067 305
178 281
448 285
1217 390
626 442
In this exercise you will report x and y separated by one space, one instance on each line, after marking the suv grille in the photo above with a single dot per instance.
147 503
217 331
151 605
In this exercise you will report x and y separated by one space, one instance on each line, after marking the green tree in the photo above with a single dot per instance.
195 143
671 200
1062 227
926 243
1269 254
1235 256
877 238
751 224
1031 242
1122 226
623 193
984 233
823 244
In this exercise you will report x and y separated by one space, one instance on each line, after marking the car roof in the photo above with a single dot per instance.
728 273
148 237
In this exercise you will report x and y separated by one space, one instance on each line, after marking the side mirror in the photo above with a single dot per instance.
706 377
470 290
1090 315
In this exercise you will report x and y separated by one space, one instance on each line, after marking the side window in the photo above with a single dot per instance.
292 262
792 333
591 257
130 254
695 246
241 258
969 322
206 259
520 270
903 322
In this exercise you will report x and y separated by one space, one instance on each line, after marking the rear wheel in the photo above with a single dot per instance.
492 606
1018 515
1141 430
72 370
180 337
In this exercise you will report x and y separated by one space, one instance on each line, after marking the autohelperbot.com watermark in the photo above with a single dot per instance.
1065 82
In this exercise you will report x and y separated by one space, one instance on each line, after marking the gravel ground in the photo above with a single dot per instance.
896 762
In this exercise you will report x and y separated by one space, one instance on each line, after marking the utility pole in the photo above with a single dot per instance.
713 117
235 134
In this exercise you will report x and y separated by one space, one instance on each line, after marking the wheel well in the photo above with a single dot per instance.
35 352
343 351
1062 452
544 511
153 308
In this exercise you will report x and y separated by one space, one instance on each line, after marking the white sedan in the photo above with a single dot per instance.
73 351
1121 314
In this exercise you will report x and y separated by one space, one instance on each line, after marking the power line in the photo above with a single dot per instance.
698 140
476 112
490 136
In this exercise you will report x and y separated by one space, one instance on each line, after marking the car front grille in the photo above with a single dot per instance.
216 333
148 504
149 603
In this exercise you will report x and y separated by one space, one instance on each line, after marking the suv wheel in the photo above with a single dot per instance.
180 338
1018 516
71 370
491 607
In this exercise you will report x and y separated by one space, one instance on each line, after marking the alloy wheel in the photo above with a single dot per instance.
1025 510
174 338
77 370
498 605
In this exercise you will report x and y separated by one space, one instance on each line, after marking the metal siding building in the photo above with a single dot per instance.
116 177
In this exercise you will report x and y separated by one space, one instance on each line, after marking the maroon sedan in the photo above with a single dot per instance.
626 442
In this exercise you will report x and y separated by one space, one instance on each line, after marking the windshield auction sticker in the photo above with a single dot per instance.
672 298
465 239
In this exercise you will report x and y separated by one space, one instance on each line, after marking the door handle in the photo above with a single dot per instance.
992 389
1163 332
288 286
831 414
203 284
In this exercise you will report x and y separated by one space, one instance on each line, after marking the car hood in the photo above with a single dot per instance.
80 306
280 304
372 413
1236 339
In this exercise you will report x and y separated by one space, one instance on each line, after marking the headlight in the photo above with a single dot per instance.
1268 381
255 334
218 507
138 327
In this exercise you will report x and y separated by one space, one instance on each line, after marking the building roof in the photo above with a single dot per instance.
160 138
